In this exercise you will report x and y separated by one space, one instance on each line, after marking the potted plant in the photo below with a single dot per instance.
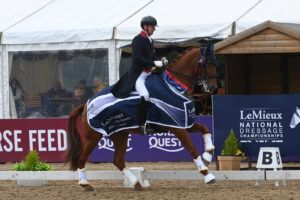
231 154
32 163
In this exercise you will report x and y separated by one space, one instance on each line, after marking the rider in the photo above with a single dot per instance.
142 62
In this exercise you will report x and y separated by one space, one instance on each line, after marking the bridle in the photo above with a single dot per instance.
201 62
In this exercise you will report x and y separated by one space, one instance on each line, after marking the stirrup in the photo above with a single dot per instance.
146 130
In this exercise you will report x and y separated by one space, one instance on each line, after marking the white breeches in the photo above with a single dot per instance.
140 85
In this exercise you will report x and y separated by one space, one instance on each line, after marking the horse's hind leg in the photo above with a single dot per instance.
208 144
120 142
184 137
90 138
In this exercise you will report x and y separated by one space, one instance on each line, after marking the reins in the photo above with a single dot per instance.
200 74
184 76
193 79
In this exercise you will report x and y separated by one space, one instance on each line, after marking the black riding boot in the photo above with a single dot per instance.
142 111
143 117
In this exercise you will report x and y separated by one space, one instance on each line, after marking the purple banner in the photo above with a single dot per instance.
152 148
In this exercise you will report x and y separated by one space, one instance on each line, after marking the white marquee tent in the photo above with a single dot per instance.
10 15
275 10
90 24
185 20
65 25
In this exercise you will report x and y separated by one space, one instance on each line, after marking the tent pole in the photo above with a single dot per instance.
233 29
1 84
112 60
5 83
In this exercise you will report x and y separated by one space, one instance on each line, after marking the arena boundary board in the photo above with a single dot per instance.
149 175
153 175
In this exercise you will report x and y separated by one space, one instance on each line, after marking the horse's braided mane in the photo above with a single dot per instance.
181 54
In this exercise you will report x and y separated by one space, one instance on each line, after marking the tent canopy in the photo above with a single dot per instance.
57 21
187 19
10 14
277 11
72 21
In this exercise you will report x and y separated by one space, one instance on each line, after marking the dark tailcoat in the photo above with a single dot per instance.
142 59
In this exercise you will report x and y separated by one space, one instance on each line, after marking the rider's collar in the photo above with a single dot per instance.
145 35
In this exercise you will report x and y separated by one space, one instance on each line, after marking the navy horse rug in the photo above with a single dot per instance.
168 106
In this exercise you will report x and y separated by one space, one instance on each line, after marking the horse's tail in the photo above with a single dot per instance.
74 150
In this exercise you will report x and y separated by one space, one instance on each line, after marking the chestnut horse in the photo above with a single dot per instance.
185 68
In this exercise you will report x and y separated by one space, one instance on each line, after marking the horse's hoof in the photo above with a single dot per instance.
87 188
212 182
210 179
137 187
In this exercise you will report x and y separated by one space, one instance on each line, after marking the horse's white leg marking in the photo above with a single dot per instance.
207 157
132 179
200 165
208 145
82 177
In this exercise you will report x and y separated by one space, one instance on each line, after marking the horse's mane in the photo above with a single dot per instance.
181 54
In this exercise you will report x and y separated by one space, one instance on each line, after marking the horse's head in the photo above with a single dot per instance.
196 68
207 76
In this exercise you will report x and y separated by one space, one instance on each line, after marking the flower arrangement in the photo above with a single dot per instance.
32 163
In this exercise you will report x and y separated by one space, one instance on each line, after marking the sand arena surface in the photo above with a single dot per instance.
158 190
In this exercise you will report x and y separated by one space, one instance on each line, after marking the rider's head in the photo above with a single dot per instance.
148 24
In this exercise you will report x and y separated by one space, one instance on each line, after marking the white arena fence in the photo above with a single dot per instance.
152 175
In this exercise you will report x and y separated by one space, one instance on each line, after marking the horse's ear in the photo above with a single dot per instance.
211 54
210 46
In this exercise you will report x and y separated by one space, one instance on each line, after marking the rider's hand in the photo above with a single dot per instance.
158 63
164 61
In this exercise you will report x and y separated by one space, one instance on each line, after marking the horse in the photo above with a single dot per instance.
185 69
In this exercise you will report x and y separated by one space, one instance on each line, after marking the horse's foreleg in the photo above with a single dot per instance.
208 144
207 136
184 137
120 142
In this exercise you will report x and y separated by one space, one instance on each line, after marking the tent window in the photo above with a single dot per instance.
51 84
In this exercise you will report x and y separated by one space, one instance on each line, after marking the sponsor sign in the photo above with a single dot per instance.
49 138
258 121
155 147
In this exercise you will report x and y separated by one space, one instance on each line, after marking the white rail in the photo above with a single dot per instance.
147 175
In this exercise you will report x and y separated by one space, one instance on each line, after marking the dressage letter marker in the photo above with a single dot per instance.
269 158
